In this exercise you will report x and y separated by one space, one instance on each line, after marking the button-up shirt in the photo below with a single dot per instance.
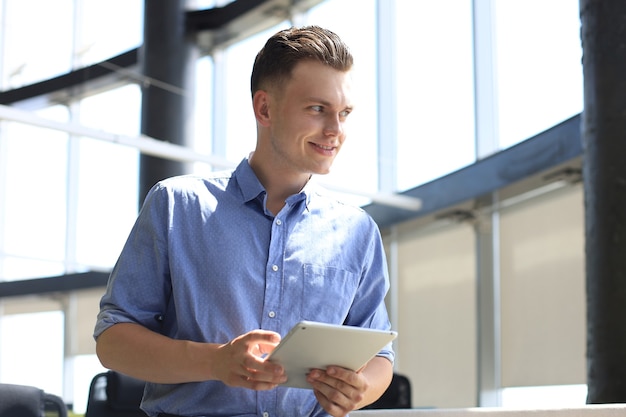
206 261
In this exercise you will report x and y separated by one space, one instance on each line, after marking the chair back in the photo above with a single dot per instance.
397 395
27 401
112 394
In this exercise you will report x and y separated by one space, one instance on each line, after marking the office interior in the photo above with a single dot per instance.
464 147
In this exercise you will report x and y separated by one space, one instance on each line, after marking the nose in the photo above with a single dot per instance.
333 125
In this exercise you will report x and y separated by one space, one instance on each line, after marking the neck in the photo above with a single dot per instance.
279 184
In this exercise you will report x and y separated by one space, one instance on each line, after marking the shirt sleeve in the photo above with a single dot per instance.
139 286
369 308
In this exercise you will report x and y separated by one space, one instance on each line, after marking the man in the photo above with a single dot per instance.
216 269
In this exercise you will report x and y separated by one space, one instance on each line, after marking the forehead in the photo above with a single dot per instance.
314 80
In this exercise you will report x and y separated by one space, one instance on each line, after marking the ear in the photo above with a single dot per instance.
261 105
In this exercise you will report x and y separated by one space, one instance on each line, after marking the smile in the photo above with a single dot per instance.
326 148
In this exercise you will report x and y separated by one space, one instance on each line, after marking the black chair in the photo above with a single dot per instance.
27 401
112 394
397 395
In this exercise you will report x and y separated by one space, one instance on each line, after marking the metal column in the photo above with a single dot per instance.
487 225
604 171
167 60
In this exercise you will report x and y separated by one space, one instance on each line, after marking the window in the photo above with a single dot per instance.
539 73
106 29
34 221
27 58
435 96
32 350
106 204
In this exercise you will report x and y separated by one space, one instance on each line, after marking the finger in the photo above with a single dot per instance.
330 407
339 378
261 342
351 378
263 370
339 386
256 362
257 385
264 380
241 376
262 336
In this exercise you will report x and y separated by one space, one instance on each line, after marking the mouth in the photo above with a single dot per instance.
325 150
323 147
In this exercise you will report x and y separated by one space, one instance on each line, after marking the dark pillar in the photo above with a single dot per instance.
168 57
604 141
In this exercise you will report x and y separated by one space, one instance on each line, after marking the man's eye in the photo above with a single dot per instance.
317 108
344 113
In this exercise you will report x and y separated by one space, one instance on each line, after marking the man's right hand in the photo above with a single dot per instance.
241 363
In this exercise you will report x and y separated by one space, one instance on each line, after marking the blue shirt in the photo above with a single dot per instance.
206 261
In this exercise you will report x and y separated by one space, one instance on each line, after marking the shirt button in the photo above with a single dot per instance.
272 314
274 268
279 222
266 414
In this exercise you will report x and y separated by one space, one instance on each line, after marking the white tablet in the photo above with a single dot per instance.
312 345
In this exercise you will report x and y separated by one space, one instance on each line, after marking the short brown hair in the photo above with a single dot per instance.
275 61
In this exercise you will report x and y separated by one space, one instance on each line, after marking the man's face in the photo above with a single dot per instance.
308 118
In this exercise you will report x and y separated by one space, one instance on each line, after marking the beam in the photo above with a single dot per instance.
62 89
531 164
47 285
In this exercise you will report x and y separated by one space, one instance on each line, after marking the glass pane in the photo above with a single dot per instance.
13 268
435 85
37 40
23 360
35 197
117 111
538 66
108 28
108 180
203 111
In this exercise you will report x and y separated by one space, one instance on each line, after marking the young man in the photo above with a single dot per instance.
216 269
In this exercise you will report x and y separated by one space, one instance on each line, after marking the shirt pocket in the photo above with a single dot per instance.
328 293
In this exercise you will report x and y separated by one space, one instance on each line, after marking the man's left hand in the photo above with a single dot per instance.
338 390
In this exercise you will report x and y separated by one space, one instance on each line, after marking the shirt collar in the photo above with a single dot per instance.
251 187
249 184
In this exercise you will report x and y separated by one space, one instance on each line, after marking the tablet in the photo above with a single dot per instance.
310 345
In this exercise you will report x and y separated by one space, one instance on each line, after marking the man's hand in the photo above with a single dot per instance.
240 362
340 390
